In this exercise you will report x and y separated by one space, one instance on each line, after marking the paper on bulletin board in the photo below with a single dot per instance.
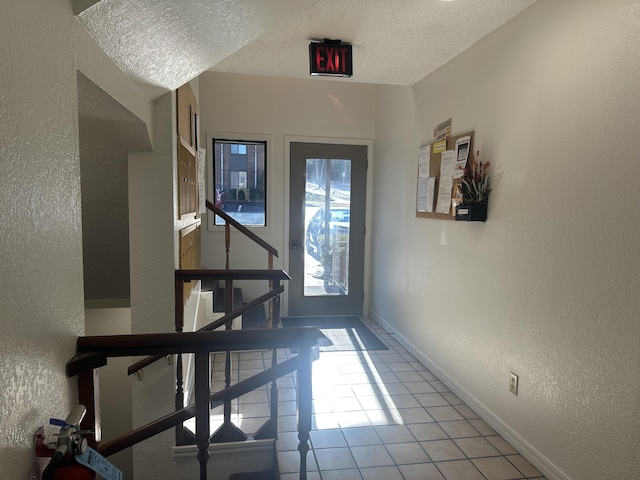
424 162
462 151
444 195
439 147
421 201
443 130
447 163
431 193
426 194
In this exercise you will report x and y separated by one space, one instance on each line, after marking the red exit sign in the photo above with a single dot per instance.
330 58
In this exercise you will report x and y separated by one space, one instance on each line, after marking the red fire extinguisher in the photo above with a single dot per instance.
69 443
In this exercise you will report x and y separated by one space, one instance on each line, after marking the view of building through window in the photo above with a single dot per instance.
239 180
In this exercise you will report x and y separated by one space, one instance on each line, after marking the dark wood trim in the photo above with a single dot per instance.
85 361
175 418
248 274
194 342
212 326
305 408
202 395
245 308
241 228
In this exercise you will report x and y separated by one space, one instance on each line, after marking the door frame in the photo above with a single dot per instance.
288 139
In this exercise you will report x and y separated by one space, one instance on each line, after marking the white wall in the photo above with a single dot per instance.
277 107
41 287
41 283
115 387
548 287
152 227
105 214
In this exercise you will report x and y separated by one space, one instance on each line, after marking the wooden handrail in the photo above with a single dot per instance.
176 418
93 351
241 228
188 275
213 325
202 344
199 342
243 309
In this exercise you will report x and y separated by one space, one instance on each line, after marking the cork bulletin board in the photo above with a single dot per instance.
434 153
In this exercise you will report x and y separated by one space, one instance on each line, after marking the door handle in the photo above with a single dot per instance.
293 244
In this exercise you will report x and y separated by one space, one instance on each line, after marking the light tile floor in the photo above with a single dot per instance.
378 415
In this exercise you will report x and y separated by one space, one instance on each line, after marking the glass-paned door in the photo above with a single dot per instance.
326 255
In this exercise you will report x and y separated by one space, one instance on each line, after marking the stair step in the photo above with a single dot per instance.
218 295
254 318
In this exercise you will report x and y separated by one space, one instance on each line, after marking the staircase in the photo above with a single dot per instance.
258 455
221 337
94 351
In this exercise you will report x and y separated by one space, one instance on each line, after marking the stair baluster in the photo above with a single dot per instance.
228 432
179 325
202 410
270 428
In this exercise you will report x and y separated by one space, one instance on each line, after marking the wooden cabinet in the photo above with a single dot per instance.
188 142
189 253
188 116
190 247
187 181
188 201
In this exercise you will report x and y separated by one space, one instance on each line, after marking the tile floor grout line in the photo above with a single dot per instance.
399 367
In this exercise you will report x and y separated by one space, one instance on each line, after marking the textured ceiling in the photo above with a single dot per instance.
162 44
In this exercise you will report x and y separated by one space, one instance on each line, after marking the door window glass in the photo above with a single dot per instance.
327 227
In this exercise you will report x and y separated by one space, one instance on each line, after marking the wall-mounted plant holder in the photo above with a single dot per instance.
474 212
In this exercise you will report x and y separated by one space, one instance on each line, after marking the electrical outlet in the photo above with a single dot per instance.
513 384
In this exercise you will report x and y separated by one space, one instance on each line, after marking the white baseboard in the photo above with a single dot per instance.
536 459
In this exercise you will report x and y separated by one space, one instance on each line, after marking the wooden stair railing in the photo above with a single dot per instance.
214 325
92 351
271 251
215 400
230 221
185 276
229 276
228 432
